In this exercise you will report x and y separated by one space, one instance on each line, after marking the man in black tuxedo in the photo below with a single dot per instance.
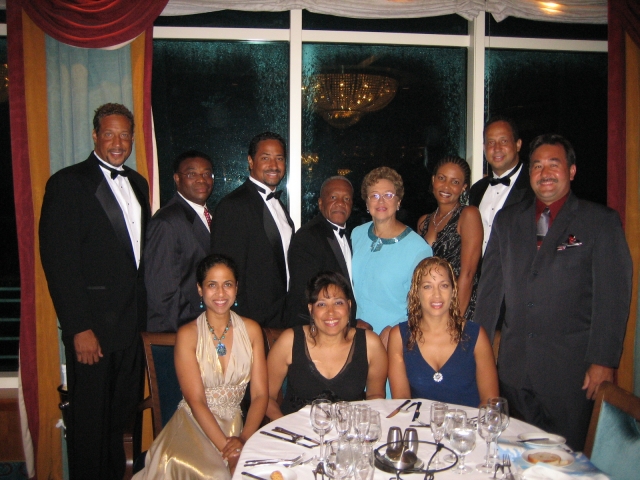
563 267
92 227
321 245
253 227
509 182
177 239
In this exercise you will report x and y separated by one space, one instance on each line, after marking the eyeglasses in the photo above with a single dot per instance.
194 175
384 196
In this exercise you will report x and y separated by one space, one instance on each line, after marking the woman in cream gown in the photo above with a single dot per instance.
204 438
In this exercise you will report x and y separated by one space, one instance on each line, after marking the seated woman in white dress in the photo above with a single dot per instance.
216 355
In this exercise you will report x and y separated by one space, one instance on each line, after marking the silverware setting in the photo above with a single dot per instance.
251 475
529 440
296 436
319 470
395 412
506 462
290 440
291 462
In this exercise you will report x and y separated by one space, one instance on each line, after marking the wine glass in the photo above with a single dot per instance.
342 417
463 441
489 427
453 419
503 405
438 412
362 416
321 421
375 428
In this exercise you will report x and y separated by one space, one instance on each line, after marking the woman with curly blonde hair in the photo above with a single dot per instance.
436 354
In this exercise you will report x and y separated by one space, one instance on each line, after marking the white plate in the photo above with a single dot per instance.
566 458
551 441
265 471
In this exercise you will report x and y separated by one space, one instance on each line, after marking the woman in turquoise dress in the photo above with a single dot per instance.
216 356
437 354
385 252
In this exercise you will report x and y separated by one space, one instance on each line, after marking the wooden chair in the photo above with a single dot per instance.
164 392
613 440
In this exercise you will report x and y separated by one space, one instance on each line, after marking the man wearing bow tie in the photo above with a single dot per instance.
509 181
563 267
92 230
321 245
177 239
253 227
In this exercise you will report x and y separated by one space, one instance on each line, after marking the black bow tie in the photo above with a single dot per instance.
114 172
275 194
341 231
506 181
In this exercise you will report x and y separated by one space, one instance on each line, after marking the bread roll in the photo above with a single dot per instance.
545 457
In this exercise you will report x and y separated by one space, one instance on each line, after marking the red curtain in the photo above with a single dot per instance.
624 18
93 23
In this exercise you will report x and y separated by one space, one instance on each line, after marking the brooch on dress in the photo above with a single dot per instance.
437 377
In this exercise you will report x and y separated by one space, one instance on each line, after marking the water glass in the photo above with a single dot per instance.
341 460
503 405
454 418
374 432
362 417
438 412
364 462
489 427
463 441
321 420
342 417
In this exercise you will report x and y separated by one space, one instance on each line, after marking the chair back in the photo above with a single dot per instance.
613 441
164 389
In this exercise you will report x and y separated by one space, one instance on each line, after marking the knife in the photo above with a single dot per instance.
395 412
285 439
416 414
256 477
532 440
294 435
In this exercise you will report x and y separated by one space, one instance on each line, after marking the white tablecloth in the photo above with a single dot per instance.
261 446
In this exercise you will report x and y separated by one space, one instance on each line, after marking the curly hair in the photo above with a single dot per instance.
111 109
456 321
382 173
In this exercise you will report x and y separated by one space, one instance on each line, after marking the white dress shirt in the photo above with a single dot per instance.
280 217
199 209
131 209
344 246
493 200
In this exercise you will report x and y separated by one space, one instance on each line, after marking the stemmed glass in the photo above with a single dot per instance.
321 421
453 419
463 441
362 416
375 428
502 404
364 465
438 412
489 427
342 417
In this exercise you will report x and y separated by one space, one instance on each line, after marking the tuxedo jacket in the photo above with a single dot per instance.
243 228
566 307
177 239
314 249
88 258
521 189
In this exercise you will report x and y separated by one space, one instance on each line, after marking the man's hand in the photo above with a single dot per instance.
594 377
364 325
87 347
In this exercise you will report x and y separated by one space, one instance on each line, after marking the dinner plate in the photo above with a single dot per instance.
566 458
551 439
265 471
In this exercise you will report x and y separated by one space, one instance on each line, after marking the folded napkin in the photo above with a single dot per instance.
546 472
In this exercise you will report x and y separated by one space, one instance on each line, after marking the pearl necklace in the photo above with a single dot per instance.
435 225
221 349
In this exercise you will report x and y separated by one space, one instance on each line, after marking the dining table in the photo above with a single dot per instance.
266 446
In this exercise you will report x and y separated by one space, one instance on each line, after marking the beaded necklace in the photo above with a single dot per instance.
221 349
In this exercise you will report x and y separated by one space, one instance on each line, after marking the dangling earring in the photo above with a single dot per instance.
464 198
235 304
367 210
312 328
201 304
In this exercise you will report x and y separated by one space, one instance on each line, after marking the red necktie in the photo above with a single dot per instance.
207 215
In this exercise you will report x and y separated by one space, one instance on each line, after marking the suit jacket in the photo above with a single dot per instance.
314 249
521 189
244 229
177 239
88 258
566 308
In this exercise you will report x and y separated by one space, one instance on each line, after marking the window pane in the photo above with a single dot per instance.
555 92
214 97
520 27
227 19
425 121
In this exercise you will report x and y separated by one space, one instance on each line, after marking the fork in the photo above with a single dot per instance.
250 463
506 462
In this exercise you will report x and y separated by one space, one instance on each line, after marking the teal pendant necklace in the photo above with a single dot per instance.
221 349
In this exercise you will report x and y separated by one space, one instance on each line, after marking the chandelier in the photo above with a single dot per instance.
344 98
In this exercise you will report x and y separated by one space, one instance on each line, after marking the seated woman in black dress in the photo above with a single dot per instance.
327 358
436 354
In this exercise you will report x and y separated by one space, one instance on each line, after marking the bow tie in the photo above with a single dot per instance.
275 194
341 231
114 172
506 181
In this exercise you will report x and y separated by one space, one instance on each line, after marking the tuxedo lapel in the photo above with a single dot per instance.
336 248
114 213
200 231
523 245
520 188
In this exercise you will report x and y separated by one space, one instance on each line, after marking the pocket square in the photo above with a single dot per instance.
572 241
